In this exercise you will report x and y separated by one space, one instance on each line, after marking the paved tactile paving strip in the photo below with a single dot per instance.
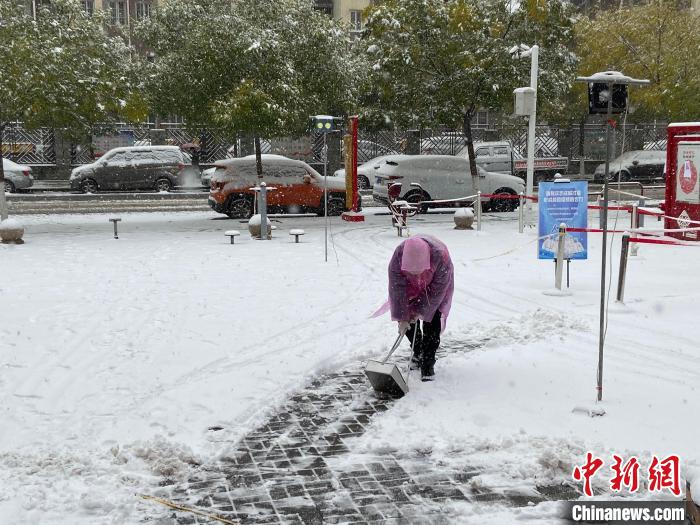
282 472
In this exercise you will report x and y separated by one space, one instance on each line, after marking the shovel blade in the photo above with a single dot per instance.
386 378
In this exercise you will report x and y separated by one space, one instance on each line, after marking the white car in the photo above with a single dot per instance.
17 176
365 173
442 177
207 174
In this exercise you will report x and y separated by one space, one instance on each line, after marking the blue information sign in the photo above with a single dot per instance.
563 202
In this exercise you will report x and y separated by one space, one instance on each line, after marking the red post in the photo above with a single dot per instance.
355 193
354 215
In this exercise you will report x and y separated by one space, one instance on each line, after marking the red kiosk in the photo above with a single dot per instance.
682 204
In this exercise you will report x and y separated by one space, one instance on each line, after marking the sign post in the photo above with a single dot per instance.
324 124
563 206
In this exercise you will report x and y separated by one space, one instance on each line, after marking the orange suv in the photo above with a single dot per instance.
299 188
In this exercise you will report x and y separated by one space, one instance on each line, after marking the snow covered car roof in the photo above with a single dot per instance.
9 165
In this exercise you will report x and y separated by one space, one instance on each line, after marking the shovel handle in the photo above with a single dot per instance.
396 345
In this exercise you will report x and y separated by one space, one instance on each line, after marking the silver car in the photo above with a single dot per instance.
17 176
443 177
157 168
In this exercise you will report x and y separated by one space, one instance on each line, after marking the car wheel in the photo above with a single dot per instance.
502 205
240 207
9 187
336 206
88 186
164 185
416 196
362 182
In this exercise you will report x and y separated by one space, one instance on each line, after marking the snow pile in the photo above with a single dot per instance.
10 224
88 484
256 220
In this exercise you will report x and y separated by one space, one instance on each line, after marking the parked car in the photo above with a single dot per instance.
207 174
17 176
365 173
299 188
159 168
500 157
638 165
442 177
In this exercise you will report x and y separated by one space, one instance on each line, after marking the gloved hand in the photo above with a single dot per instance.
403 326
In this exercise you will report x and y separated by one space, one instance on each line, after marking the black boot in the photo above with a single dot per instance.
415 362
427 373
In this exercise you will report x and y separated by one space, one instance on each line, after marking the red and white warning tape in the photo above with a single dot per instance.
671 242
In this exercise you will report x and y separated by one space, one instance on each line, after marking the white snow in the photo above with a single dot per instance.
118 355
464 212
10 224
256 220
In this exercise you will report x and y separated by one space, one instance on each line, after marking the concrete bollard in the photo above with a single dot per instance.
464 218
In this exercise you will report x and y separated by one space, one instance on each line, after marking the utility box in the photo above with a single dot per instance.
524 101
682 203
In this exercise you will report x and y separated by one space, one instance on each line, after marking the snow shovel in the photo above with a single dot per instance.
386 378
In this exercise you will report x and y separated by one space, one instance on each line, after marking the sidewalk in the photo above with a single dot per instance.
299 468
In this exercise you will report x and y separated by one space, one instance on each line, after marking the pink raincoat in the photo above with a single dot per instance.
420 296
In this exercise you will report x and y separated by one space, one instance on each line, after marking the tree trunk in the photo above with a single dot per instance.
3 201
467 128
258 157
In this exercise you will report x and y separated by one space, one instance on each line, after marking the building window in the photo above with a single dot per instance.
355 20
481 118
89 6
143 9
117 12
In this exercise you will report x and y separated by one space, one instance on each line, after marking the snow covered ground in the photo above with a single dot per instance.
116 356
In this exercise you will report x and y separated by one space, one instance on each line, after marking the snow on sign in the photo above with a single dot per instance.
563 202
687 187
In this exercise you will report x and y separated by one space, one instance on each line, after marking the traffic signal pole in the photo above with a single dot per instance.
609 79
604 222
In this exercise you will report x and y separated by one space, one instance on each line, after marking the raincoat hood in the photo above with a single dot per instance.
416 256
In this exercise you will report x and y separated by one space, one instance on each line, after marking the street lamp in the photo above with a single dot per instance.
610 79
523 51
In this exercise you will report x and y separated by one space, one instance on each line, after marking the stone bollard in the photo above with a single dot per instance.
255 227
11 232
464 218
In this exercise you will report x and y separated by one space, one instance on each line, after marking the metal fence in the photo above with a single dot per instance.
587 142
26 146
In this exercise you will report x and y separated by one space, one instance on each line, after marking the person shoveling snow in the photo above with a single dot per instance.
421 283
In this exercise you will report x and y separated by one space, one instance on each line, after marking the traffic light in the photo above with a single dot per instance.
323 123
598 98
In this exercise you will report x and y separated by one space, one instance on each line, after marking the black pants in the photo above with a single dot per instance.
427 339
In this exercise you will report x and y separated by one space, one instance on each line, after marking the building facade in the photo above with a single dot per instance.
349 11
